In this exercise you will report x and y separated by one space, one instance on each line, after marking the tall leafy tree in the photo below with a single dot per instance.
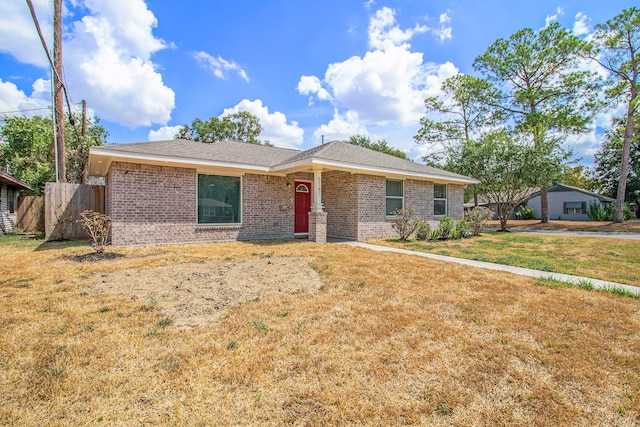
608 162
619 47
461 116
579 176
544 91
380 145
27 149
241 126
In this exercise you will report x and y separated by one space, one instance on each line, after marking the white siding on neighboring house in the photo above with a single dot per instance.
563 205
7 219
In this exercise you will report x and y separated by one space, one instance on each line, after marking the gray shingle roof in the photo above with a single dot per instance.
224 151
233 152
339 151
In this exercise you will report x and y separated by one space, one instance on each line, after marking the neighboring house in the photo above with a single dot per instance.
567 202
484 200
185 191
9 190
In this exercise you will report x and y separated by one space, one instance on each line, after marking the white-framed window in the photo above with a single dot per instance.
572 208
439 199
219 199
395 196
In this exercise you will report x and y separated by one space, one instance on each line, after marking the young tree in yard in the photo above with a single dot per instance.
544 91
27 149
380 145
619 46
507 168
241 126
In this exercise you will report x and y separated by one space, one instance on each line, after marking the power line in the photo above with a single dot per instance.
46 49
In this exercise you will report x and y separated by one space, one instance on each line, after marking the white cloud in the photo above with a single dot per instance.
274 125
383 33
13 99
107 57
310 85
581 24
550 18
219 66
381 92
341 127
18 35
443 31
164 133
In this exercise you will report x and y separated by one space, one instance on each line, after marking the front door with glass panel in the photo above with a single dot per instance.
302 207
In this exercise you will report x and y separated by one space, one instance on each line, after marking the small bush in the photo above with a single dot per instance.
597 212
97 226
525 213
434 234
422 232
446 228
405 223
478 218
462 229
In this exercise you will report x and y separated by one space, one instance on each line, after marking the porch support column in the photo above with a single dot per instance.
317 217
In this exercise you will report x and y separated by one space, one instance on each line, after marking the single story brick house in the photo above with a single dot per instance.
567 202
183 191
10 188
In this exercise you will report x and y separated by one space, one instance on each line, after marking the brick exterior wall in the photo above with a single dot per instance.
339 190
156 205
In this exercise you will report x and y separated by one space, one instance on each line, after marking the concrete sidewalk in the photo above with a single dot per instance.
598 284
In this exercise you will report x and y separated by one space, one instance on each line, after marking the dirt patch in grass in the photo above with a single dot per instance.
195 294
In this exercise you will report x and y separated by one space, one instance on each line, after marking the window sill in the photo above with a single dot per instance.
204 227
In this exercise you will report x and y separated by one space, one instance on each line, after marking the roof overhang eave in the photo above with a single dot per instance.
108 156
312 163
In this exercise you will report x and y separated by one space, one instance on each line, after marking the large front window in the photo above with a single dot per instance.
439 199
395 196
218 199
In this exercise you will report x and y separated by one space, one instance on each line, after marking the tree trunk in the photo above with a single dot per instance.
544 205
618 216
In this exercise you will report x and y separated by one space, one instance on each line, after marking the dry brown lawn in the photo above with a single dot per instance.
388 339
630 226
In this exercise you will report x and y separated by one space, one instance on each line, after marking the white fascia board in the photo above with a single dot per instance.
351 167
177 160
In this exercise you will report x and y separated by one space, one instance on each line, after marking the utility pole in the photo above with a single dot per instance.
58 99
83 140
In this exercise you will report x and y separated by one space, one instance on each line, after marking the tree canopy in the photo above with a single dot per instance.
608 161
241 126
618 51
543 91
27 149
507 168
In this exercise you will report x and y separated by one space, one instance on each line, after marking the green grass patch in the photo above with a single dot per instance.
597 258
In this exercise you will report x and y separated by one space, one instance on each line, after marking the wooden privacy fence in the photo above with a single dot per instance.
30 213
63 204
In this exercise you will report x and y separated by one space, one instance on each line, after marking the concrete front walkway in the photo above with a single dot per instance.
598 284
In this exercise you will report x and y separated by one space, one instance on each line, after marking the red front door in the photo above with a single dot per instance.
302 207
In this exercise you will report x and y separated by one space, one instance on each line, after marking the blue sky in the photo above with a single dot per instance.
306 69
